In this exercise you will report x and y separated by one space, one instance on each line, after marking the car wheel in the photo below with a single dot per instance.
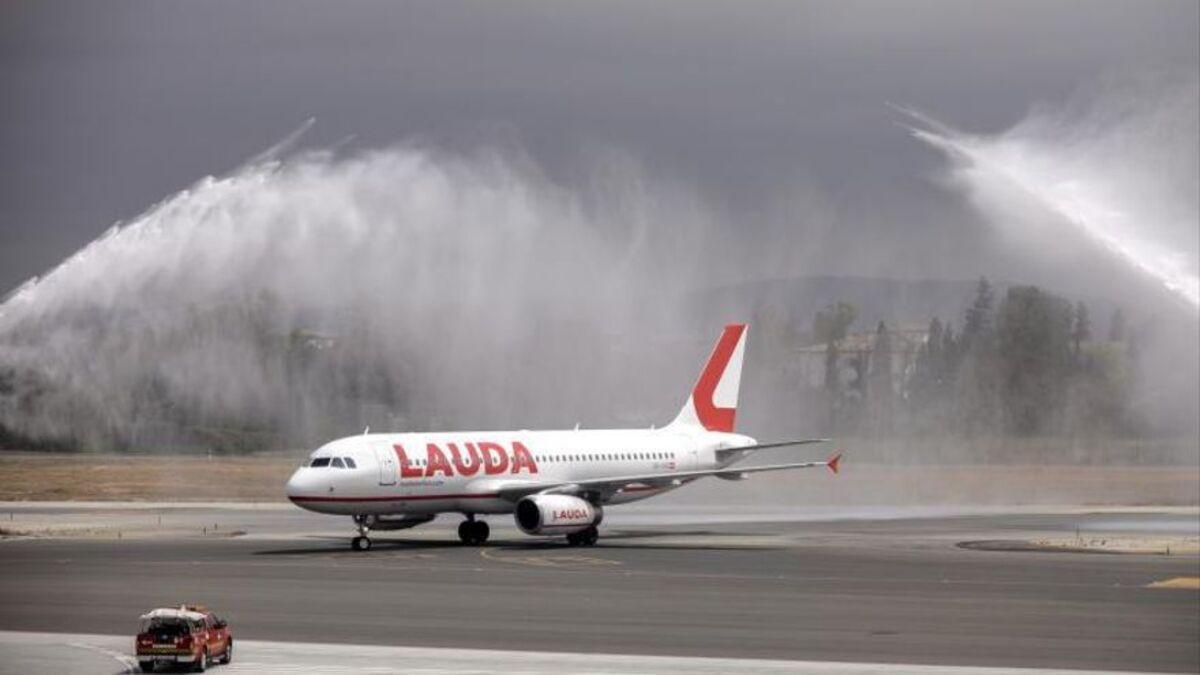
146 666
202 662
228 653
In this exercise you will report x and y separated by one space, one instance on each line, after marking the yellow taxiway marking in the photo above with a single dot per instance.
1188 583
549 560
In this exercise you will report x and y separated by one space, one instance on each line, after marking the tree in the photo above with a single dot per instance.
926 371
1033 332
978 321
1082 330
880 391
830 326
881 361
832 323
1116 326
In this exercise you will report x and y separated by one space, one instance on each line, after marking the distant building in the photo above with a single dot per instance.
859 356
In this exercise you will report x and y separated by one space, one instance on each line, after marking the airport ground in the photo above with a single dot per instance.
749 588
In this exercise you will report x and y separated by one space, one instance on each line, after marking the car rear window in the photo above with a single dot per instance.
165 628
320 461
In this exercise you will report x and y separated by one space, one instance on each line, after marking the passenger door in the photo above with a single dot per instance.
385 459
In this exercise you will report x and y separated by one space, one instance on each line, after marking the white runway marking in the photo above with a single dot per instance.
24 652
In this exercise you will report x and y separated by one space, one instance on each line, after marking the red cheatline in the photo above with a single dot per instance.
481 495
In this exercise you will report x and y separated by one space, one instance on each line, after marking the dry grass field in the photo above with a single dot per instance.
81 477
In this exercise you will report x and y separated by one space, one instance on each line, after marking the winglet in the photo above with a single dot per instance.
833 462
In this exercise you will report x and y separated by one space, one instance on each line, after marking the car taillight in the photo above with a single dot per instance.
145 640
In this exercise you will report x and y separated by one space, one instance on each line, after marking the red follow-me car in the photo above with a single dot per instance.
190 635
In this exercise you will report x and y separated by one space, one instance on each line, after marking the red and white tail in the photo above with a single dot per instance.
713 403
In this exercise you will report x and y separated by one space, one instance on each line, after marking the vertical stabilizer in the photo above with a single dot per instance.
713 402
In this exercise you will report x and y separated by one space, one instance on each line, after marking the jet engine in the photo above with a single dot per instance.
556 514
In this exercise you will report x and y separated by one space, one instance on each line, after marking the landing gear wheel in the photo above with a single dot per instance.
360 544
587 537
473 532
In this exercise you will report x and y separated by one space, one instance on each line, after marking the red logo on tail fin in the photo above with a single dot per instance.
712 417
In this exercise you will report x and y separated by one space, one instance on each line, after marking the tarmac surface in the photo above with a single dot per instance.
900 590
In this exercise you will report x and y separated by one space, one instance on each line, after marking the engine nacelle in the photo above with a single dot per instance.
556 514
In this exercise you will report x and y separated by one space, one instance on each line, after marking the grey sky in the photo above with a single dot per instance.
108 107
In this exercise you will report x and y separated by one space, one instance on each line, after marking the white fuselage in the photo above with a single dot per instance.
421 474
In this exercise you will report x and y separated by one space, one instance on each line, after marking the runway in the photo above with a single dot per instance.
887 591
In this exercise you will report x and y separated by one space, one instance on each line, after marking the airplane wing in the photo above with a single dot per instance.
515 490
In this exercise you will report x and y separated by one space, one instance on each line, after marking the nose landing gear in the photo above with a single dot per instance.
361 542
473 532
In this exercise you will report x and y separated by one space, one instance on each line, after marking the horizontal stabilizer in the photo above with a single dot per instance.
726 452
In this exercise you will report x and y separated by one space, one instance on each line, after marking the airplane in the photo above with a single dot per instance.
553 482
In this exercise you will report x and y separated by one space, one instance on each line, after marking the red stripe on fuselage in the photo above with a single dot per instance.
398 498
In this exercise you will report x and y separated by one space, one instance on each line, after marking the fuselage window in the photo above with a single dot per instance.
350 463
319 462
338 463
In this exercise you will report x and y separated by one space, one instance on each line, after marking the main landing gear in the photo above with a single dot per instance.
587 537
362 542
473 532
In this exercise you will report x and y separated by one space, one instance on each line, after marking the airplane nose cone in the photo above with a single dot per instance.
296 485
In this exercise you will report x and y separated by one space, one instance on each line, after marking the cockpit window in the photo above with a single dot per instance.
338 463
350 463
319 462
